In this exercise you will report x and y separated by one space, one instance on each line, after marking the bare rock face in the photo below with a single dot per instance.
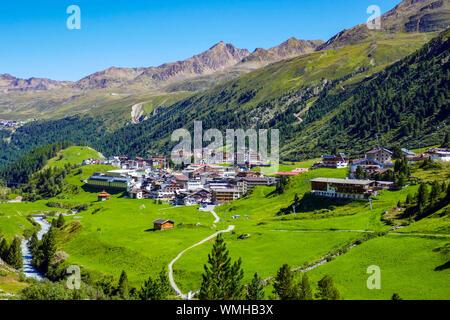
291 48
408 16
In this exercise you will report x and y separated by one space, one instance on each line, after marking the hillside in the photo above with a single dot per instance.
410 16
278 95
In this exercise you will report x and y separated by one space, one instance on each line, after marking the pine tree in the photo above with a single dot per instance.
149 290
60 222
284 283
34 242
164 285
236 288
123 285
303 289
4 247
14 257
221 280
327 290
255 290
49 247
158 289
422 197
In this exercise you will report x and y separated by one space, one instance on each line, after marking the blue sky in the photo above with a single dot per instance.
36 42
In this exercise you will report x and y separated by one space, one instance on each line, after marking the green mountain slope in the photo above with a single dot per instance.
276 96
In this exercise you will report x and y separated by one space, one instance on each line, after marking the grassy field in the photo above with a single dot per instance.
118 235
414 267
73 155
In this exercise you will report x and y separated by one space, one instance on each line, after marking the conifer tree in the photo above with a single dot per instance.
123 285
303 289
284 283
422 197
327 290
4 247
255 290
14 257
221 280
34 242
157 289
60 222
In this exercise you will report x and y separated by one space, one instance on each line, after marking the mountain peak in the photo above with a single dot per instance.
290 48
408 16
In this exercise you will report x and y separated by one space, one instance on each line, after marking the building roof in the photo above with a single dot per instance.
365 160
181 177
408 152
110 179
162 221
343 181
375 150
292 173
103 194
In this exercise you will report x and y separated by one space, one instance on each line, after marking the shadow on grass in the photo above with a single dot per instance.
310 203
443 266
91 189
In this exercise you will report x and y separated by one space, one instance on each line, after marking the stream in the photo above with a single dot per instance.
29 269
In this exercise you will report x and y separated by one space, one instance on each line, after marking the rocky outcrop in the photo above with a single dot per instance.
290 48
408 16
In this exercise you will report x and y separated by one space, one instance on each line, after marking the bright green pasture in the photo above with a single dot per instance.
117 235
412 266
73 155
263 252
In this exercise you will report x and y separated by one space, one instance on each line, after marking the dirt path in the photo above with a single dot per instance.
172 281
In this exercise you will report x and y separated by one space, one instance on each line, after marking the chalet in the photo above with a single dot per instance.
194 198
248 183
181 180
343 188
332 161
163 224
419 157
440 154
382 155
103 196
370 166
136 194
226 195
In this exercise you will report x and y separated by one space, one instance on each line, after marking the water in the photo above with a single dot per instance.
29 269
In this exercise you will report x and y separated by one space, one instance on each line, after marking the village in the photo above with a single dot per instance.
210 183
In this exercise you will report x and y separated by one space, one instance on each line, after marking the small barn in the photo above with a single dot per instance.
102 196
163 224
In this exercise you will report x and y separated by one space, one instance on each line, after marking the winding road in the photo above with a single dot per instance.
172 281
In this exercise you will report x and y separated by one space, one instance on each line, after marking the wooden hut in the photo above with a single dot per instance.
163 224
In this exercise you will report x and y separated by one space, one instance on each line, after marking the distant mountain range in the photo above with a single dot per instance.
219 57
410 16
